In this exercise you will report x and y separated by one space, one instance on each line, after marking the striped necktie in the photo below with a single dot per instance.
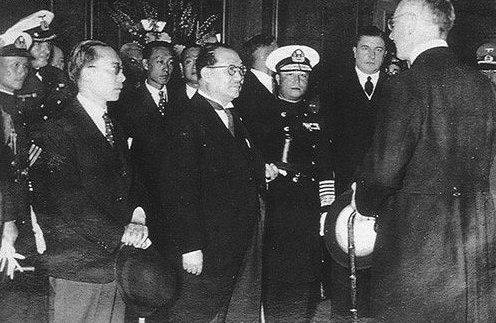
162 103
109 129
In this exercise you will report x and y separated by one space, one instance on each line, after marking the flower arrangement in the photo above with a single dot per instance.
180 25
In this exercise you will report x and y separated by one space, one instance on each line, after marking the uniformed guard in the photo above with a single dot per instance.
292 250
44 89
486 60
46 86
16 157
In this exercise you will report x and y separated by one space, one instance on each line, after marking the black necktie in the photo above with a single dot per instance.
109 129
369 87
162 103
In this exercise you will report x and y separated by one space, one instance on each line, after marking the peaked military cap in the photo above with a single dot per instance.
292 58
486 56
15 42
37 25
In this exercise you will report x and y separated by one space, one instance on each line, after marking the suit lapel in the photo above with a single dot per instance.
93 148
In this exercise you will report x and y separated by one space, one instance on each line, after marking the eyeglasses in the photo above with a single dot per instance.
232 69
391 21
116 68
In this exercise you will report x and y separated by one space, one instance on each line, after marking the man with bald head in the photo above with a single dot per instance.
426 179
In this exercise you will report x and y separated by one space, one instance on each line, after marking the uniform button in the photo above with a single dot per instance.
312 179
42 106
283 114
313 163
45 117
124 173
58 101
119 199
314 146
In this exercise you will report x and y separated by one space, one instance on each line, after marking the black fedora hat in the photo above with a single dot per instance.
147 279
336 233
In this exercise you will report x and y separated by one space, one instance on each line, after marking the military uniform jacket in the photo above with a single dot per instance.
41 99
210 181
89 182
13 184
292 247
426 177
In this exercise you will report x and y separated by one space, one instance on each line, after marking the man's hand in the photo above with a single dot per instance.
136 235
271 172
193 262
8 254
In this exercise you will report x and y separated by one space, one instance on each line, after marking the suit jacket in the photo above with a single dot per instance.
89 183
350 117
143 122
426 177
178 95
214 204
257 106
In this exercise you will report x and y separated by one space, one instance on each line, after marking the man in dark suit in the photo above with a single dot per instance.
184 90
257 100
89 179
352 107
216 174
144 111
426 179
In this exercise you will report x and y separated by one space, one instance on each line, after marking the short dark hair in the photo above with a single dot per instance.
151 46
207 56
183 53
251 45
84 53
443 13
372 31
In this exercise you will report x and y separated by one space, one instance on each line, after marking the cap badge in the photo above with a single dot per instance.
20 43
298 56
43 24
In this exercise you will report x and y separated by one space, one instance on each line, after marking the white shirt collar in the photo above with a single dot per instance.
264 78
156 92
206 96
94 111
425 46
362 78
190 91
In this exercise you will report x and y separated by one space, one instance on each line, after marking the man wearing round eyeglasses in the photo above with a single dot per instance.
211 176
426 179
92 215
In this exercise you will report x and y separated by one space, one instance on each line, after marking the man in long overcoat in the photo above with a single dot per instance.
426 178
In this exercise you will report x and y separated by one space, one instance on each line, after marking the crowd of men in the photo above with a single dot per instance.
127 191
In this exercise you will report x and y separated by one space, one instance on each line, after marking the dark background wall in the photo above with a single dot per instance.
326 25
